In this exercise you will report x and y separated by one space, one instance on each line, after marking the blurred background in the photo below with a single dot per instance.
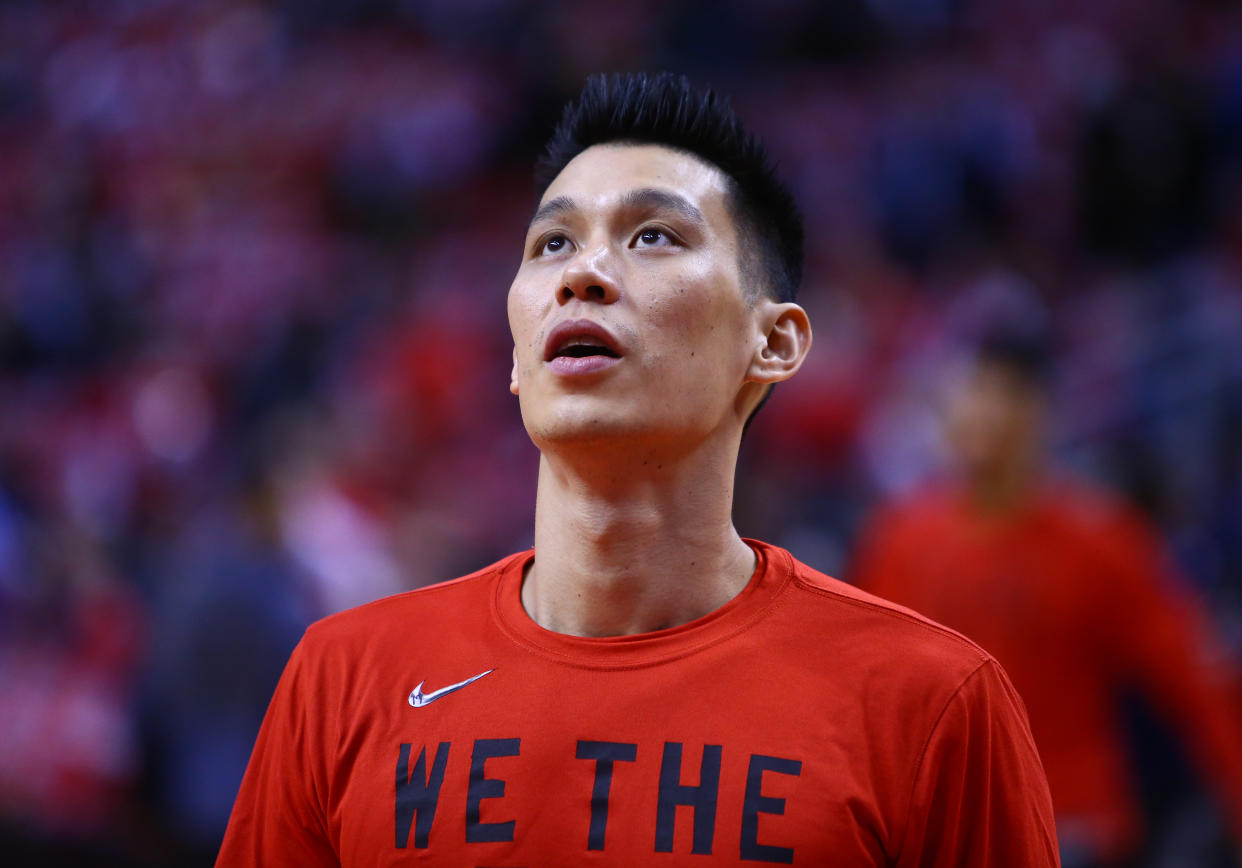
254 355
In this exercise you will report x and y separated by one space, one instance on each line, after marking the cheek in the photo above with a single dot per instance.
523 326
703 329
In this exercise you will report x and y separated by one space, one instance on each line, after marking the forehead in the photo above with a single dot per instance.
602 175
995 383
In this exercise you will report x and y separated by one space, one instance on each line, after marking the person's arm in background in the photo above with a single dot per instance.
1162 639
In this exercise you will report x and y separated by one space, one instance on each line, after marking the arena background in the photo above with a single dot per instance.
254 356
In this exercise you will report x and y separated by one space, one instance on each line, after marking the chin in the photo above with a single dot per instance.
657 421
565 429
653 439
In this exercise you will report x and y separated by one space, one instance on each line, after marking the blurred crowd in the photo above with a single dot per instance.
254 355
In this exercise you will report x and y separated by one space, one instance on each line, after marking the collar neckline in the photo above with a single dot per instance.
773 570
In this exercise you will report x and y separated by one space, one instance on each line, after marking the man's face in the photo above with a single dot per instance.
628 314
995 421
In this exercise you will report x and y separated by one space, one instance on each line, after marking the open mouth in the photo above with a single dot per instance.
576 343
581 348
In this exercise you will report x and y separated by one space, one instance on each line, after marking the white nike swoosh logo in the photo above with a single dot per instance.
418 699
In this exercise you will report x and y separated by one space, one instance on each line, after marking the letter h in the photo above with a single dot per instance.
701 799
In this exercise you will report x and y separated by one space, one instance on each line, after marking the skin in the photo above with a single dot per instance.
633 524
995 426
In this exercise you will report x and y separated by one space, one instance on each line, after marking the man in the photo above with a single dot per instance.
1070 591
645 687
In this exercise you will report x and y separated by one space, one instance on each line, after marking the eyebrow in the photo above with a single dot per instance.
642 199
553 208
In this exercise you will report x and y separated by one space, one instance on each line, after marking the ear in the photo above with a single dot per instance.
513 377
784 341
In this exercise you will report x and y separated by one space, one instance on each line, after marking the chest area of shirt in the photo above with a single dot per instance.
508 765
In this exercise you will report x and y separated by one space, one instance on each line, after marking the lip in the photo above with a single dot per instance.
580 328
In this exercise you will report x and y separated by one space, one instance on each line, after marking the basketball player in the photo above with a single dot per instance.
1071 592
645 687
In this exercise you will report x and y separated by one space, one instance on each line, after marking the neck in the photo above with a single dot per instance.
1001 491
625 548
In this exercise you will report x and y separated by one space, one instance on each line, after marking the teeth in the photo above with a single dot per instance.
583 346
571 343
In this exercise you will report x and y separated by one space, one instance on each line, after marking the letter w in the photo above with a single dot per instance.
417 795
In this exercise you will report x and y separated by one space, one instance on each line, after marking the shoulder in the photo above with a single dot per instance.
405 616
880 633
902 669
1101 523
922 511
1086 505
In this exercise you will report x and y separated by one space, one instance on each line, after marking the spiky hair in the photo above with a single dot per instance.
665 109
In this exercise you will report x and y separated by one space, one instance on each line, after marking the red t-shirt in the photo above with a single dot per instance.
805 722
1073 596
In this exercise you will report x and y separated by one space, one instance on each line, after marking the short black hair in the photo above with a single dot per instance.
665 109
1025 354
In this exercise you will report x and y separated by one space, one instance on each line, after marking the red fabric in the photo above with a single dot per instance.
845 731
1073 597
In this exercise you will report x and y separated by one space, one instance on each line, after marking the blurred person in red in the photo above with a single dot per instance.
645 686
1072 592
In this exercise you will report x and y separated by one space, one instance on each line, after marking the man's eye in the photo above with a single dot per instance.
651 238
554 244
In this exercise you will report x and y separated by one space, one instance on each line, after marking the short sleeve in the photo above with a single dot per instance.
980 797
278 818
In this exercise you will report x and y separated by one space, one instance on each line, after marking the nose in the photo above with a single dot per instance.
589 277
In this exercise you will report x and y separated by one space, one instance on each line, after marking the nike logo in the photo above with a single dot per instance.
418 699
